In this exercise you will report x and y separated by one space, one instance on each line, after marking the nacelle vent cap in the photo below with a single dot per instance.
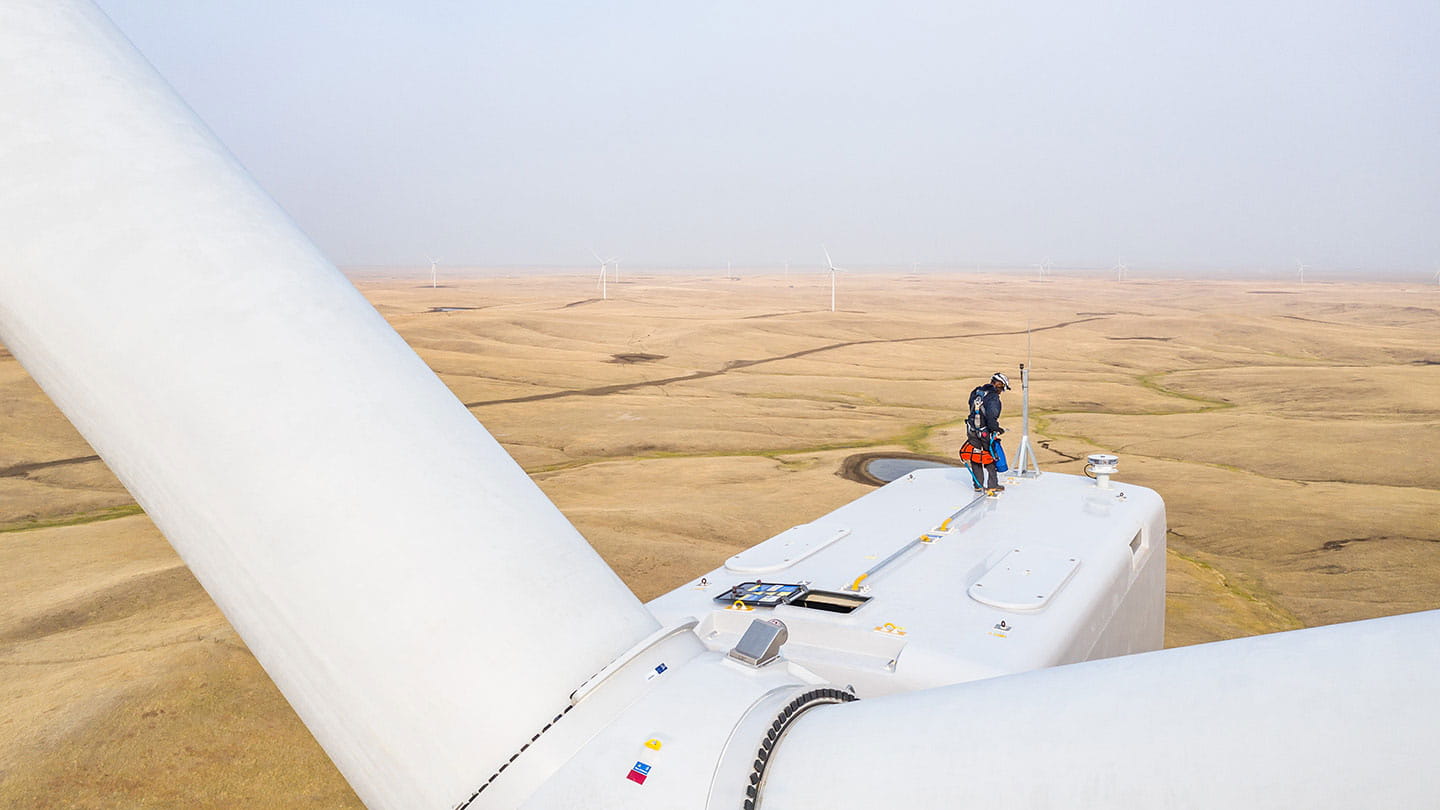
1101 466
1103 463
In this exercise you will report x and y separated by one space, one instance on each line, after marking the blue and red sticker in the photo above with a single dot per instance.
638 773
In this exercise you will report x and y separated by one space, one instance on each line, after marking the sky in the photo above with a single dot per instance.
1204 135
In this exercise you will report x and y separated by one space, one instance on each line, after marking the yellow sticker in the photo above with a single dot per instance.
653 745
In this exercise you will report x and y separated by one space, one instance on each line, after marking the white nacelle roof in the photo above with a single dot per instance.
1027 580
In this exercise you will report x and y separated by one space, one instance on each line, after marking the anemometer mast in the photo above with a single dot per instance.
1025 464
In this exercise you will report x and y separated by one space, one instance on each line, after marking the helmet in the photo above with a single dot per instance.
997 377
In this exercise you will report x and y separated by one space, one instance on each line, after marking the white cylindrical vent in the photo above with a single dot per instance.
1102 466
418 600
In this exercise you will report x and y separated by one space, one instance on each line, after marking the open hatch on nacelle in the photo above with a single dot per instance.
797 594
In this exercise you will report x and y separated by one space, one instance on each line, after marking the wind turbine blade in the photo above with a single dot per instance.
828 262
596 255
348 515
1333 717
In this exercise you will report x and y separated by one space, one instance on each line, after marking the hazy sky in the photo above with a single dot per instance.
1204 134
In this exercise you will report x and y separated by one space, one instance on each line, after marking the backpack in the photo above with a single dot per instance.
975 423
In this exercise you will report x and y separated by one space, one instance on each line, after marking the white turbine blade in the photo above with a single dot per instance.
828 262
417 599
1332 718
596 255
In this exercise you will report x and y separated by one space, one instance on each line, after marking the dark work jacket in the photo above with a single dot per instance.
984 417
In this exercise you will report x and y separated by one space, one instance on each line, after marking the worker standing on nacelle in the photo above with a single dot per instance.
982 428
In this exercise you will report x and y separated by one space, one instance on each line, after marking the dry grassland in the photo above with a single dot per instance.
1293 432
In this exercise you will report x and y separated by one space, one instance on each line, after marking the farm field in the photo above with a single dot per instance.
1292 431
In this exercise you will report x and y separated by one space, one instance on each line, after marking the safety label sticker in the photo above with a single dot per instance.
639 772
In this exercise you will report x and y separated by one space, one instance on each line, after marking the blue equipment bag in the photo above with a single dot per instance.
999 453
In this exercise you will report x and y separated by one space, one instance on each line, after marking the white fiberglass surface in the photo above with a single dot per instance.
917 548
352 520
1331 718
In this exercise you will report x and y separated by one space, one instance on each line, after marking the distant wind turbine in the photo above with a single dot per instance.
433 264
604 265
1043 267
1301 266
833 271
1121 269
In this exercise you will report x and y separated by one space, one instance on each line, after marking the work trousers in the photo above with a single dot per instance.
985 475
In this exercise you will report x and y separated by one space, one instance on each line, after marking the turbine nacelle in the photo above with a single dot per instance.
291 458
